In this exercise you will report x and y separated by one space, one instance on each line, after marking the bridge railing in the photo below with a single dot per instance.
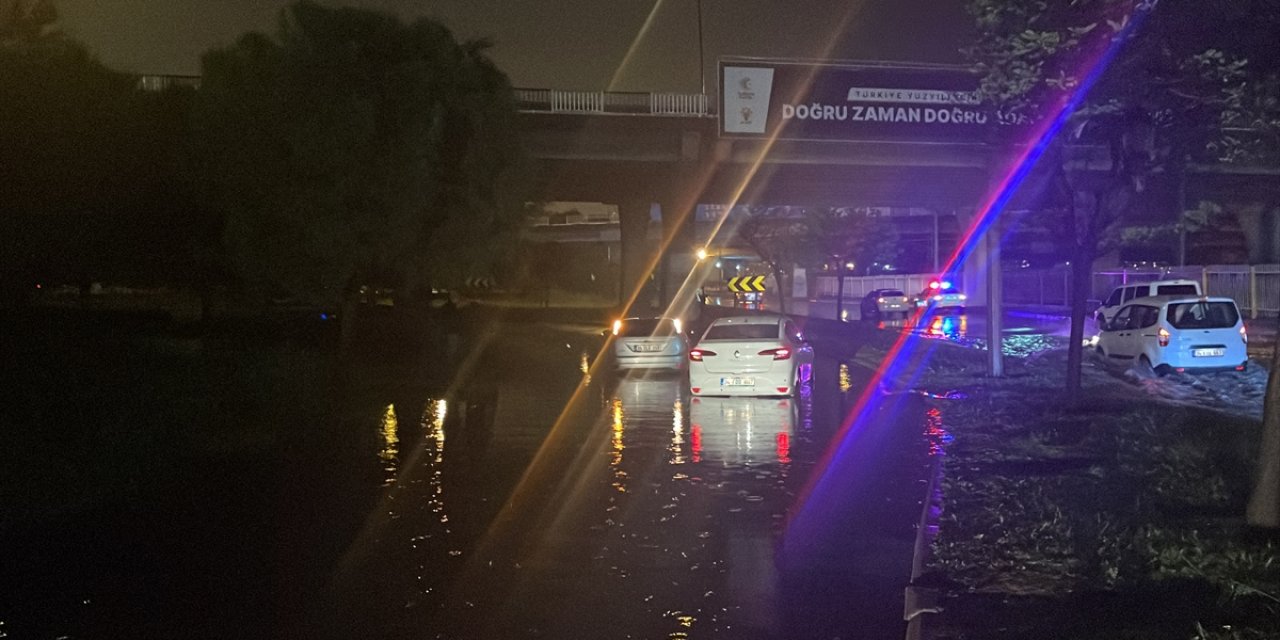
612 102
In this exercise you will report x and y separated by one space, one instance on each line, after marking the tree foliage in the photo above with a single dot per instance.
1177 81
91 164
350 148
1145 87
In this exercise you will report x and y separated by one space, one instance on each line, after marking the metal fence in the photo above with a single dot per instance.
855 287
1256 288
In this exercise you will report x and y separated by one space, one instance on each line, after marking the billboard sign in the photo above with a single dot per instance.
871 102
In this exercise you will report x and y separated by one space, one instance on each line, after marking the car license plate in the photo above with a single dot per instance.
647 348
737 382
1208 353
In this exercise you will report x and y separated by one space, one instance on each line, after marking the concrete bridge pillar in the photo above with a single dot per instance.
639 290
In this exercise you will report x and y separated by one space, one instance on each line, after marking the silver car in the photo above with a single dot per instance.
649 343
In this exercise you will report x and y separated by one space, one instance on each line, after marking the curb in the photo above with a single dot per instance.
919 600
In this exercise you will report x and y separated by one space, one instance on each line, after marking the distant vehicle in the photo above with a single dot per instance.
649 343
885 303
1123 294
763 355
940 295
1177 333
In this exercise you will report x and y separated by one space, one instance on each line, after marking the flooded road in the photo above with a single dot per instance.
540 495
643 514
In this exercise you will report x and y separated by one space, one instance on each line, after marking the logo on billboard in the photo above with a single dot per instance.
747 91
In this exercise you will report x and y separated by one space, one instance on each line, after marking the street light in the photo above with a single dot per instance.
702 253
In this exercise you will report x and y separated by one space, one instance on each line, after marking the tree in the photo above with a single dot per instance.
777 235
844 235
1179 82
351 148
82 162
1140 87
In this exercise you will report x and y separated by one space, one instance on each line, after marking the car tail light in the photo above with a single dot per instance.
781 353
782 389
1240 368
697 354
880 300
617 326
1244 335
1163 335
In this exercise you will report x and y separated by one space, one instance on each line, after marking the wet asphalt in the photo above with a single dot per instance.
535 494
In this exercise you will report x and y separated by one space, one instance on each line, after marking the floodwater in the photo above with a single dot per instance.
537 495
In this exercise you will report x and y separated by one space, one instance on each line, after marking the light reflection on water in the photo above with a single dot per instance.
389 428
615 453
744 430
433 417
677 433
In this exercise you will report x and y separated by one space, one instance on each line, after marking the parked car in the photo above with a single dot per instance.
1123 294
764 355
649 343
1177 333
884 303
941 295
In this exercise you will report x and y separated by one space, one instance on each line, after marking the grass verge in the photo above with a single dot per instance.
1123 519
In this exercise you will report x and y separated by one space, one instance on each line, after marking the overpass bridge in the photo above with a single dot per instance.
647 153
902 137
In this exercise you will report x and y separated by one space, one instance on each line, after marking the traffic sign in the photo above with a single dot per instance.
747 284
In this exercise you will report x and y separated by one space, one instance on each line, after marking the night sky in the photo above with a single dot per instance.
563 44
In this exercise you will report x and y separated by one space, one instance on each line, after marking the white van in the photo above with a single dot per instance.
1177 333
1123 294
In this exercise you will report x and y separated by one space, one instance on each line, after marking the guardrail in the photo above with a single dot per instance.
612 102
539 100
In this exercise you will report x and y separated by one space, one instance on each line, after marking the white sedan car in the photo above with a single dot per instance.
763 355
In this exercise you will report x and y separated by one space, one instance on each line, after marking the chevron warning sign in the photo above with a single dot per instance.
746 284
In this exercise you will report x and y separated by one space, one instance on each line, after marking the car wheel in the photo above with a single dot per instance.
1144 366
1098 350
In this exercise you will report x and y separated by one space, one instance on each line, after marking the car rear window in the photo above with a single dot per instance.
892 293
1176 290
742 332
1203 315
647 327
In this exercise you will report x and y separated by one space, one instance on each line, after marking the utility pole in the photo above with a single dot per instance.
995 299
702 64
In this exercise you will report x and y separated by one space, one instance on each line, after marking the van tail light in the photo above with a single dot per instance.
1244 335
1163 335
781 353
697 354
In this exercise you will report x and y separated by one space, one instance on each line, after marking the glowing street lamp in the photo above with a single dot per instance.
702 253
